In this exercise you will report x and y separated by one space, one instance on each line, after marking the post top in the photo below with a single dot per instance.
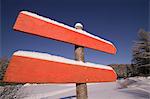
78 26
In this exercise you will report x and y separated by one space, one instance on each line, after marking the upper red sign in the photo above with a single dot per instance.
34 24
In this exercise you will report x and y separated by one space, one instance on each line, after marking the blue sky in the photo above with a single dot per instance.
115 20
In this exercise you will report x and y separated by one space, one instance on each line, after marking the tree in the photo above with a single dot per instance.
3 65
141 53
8 90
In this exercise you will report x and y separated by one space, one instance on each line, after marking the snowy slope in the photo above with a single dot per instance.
136 88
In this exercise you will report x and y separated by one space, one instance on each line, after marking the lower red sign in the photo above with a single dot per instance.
25 68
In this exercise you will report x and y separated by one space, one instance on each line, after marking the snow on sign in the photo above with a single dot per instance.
37 25
34 67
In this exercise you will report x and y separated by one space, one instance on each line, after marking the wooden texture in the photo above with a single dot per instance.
81 88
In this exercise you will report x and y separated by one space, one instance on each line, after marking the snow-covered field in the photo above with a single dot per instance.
132 88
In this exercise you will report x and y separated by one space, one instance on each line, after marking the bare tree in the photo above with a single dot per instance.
3 65
8 90
141 53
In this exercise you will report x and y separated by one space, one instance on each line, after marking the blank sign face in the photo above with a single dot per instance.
33 67
37 25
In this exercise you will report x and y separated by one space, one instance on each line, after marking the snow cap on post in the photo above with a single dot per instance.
78 26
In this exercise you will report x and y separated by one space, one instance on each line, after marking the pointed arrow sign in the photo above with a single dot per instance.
34 67
37 25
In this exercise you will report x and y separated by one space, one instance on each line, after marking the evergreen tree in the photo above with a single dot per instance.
141 54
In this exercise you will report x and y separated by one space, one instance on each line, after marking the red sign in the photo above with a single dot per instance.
44 27
33 67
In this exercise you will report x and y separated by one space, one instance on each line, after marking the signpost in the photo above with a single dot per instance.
34 67
81 88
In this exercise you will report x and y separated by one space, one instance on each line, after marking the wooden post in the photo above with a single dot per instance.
81 88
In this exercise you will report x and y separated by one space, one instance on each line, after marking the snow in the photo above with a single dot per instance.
62 25
140 89
78 25
45 56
